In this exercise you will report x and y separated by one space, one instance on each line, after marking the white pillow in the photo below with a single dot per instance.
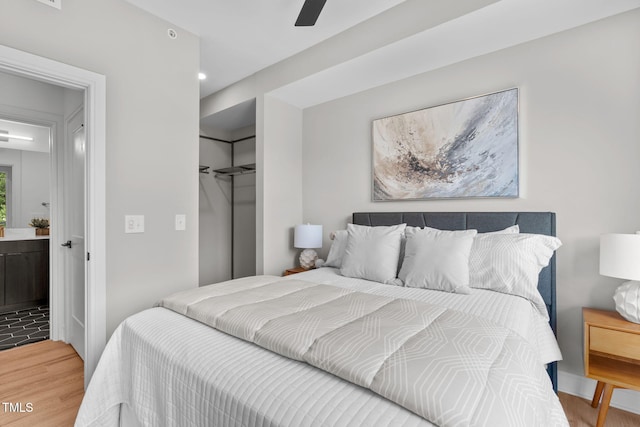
511 263
409 229
372 252
437 259
339 244
336 252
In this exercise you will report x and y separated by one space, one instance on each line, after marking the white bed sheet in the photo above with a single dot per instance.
173 371
170 370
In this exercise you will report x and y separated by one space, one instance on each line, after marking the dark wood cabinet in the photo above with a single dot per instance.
24 274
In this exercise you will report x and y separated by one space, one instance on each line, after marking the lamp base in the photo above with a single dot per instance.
308 258
627 298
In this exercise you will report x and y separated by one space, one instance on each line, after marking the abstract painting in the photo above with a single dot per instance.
463 149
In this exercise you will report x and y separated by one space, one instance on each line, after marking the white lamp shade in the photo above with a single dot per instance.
307 236
620 256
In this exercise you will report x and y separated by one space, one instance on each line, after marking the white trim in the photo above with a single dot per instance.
94 85
577 385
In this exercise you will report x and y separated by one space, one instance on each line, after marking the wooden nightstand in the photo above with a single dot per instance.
294 270
611 355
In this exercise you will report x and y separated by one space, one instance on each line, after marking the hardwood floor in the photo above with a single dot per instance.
581 414
41 384
48 376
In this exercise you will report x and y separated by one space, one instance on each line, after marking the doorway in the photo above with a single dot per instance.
93 85
25 158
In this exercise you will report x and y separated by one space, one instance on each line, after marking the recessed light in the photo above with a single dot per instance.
202 76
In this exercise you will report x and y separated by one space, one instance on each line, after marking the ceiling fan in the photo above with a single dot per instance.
309 14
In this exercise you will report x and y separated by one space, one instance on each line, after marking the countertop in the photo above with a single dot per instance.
15 238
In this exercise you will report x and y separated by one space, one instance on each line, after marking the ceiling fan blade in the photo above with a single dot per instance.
309 14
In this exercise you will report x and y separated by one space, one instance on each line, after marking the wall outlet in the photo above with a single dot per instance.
134 223
53 3
181 222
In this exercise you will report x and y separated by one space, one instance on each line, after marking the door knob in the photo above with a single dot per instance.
68 244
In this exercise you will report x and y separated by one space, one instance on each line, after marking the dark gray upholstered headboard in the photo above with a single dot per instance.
529 222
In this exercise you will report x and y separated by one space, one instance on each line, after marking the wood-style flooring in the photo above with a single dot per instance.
49 376
41 384
581 414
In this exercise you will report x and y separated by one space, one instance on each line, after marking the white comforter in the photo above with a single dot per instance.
515 313
170 370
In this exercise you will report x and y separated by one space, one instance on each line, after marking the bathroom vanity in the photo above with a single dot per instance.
24 272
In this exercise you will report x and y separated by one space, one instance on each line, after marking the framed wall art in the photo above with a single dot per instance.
462 149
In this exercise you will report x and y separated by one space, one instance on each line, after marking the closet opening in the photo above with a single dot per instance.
228 194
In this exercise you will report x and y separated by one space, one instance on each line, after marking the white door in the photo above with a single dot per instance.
74 214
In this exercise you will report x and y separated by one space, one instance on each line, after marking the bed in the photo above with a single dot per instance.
161 367
528 222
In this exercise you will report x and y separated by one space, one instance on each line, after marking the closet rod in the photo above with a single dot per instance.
224 140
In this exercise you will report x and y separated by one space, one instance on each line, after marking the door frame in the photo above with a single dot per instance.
94 85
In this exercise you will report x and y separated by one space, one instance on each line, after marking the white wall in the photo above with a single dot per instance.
28 94
278 183
579 148
215 210
151 129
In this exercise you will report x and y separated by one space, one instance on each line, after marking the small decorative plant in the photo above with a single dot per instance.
39 223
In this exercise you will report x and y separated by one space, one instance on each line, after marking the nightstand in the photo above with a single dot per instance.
294 270
611 355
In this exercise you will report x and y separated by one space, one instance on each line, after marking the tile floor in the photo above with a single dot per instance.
24 327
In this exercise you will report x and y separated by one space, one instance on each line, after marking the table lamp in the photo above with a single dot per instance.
308 237
620 257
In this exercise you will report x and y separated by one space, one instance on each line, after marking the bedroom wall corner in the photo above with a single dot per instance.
578 139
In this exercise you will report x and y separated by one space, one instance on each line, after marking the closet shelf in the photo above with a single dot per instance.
236 170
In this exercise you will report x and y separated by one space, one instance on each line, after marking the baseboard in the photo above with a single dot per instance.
627 400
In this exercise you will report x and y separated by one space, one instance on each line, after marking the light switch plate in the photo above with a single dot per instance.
53 3
134 223
181 222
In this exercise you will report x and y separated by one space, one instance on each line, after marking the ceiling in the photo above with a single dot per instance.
499 25
241 37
